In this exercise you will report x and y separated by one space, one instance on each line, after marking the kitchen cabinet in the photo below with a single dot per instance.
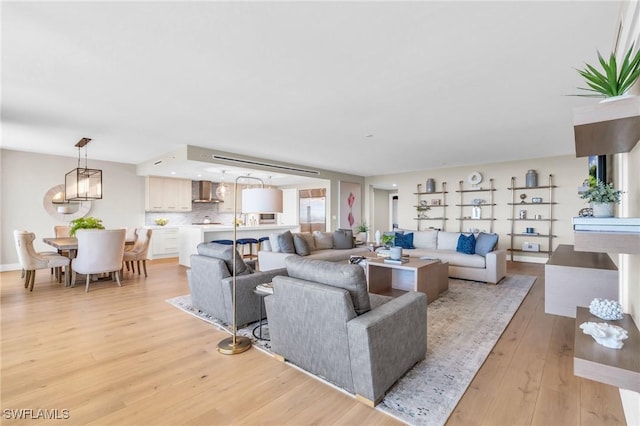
164 243
227 205
167 194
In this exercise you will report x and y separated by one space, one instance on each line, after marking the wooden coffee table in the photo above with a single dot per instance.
427 276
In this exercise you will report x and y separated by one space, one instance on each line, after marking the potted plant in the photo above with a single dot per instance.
602 197
363 228
85 223
388 240
613 80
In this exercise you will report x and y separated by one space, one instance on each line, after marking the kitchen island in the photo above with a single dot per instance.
190 236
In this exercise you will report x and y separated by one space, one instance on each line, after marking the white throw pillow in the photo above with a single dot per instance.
273 240
425 239
448 240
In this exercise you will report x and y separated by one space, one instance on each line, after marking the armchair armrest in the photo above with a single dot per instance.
247 303
386 342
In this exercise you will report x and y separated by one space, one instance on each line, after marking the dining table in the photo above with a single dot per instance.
70 246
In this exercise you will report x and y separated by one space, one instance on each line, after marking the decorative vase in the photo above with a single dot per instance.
431 185
602 209
476 212
362 237
377 237
531 178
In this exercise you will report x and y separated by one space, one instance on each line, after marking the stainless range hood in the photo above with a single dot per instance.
206 193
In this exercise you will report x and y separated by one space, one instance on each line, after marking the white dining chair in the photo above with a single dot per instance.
30 260
139 251
100 251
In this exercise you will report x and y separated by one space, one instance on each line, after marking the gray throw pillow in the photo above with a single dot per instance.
308 237
348 277
343 239
302 247
225 252
486 243
323 240
285 242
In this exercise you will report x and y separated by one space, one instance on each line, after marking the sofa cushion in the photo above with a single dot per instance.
448 240
348 277
486 243
453 257
308 237
342 239
323 240
285 242
425 239
225 252
273 241
404 240
302 247
466 244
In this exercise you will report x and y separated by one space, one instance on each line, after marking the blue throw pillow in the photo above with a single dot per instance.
486 243
404 240
466 244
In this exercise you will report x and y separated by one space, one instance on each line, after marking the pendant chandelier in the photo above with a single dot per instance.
222 190
83 184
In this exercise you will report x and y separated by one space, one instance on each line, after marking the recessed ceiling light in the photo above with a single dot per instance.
394 185
370 135
173 173
199 174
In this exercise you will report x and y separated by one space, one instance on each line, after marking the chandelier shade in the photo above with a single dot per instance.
83 184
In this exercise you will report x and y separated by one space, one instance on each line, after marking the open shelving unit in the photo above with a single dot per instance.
547 234
465 205
425 202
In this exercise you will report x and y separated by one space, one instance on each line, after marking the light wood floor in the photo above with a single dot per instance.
124 356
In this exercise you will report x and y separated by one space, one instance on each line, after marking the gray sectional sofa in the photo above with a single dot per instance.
331 246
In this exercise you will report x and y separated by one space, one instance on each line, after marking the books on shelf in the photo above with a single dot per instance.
265 288
397 262
607 224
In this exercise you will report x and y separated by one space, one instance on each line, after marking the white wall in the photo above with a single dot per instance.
26 177
628 179
568 173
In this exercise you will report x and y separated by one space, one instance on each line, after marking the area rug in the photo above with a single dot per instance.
463 326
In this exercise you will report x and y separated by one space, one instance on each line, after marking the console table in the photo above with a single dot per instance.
574 278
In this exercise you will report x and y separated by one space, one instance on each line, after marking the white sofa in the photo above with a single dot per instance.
490 268
320 245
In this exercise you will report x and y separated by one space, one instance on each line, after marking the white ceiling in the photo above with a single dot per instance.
367 88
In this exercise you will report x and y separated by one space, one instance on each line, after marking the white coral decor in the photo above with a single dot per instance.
610 336
606 309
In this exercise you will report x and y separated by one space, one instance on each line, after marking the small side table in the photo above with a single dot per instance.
261 294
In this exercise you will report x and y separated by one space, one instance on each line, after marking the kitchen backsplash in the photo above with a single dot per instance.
200 210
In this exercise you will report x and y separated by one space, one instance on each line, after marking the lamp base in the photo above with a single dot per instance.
226 346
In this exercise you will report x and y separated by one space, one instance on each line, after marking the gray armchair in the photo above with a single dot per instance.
322 319
211 284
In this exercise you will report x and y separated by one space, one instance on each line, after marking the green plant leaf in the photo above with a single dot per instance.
625 69
632 79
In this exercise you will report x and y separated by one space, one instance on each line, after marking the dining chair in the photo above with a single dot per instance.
139 251
61 231
100 251
30 260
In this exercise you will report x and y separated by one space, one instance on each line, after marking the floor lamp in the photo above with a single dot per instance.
254 200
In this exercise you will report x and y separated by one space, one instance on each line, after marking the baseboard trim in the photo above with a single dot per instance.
10 267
